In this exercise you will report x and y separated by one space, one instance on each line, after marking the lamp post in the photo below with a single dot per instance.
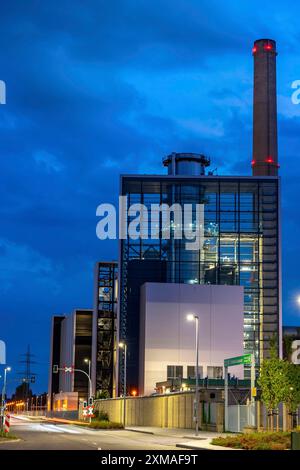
123 345
88 361
7 369
192 317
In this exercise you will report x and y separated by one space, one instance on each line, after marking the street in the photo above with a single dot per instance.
43 435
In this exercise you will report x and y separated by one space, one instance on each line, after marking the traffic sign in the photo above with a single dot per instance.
235 361
88 411
91 411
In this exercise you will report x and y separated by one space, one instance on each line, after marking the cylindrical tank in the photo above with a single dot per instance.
192 164
185 265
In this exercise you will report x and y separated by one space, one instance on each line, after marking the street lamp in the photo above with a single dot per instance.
7 369
195 318
88 361
123 345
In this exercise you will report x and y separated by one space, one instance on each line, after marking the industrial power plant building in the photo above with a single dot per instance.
241 243
232 282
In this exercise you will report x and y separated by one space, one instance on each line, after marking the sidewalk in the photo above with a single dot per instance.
200 442
185 438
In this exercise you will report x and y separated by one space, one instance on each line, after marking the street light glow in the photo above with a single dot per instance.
8 369
298 299
122 345
86 360
190 317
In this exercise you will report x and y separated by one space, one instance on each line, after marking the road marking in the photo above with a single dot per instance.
51 428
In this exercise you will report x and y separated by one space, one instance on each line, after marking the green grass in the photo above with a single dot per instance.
256 441
7 435
103 424
100 424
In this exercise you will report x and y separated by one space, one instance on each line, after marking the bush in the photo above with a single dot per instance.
256 441
102 395
7 435
105 424
101 415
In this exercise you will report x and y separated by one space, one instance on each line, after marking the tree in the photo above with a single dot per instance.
22 392
292 389
100 395
279 381
273 384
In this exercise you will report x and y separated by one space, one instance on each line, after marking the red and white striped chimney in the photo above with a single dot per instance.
265 149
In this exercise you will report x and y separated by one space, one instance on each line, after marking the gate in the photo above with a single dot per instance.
240 416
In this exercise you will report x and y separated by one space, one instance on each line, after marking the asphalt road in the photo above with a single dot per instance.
48 436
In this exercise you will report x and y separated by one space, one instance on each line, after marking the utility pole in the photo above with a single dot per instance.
27 373
195 318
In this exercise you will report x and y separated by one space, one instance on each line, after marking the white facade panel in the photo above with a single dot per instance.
167 338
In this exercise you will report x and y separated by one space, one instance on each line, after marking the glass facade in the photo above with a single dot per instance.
241 245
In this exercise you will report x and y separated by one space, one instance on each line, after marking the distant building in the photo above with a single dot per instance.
71 344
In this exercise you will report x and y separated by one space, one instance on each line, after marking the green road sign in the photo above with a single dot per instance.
235 361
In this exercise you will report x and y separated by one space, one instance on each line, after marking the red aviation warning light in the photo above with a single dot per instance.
254 50
268 47
270 160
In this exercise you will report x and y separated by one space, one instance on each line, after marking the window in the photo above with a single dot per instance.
214 372
191 373
174 372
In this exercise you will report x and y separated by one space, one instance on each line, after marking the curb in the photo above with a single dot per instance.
10 440
195 438
187 446
142 432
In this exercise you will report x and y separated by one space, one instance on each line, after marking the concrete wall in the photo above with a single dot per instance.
167 338
165 411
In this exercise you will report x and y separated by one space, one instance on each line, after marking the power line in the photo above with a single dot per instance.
27 374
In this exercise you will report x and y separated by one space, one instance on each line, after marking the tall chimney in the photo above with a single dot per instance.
265 152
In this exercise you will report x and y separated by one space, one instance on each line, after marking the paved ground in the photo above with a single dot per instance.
43 435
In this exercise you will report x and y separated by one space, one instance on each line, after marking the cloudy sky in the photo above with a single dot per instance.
97 88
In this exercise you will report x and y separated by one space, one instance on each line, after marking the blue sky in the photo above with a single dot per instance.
99 88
